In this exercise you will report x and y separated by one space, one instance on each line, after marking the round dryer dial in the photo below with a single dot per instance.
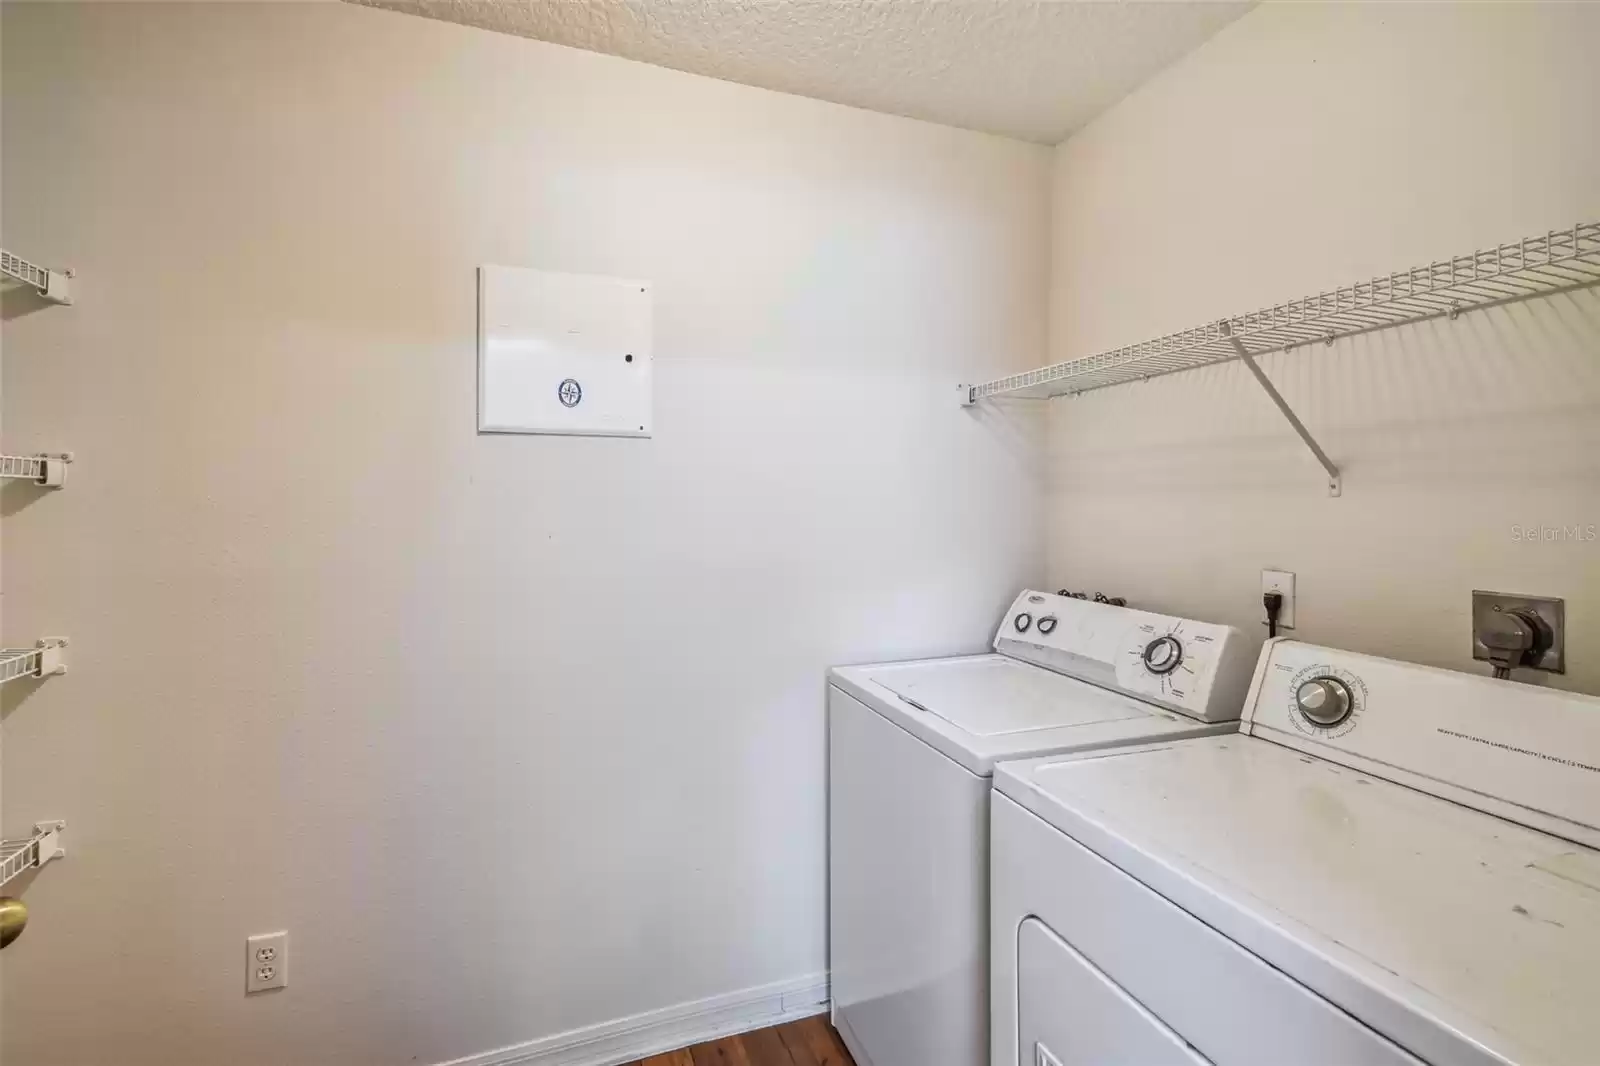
1325 701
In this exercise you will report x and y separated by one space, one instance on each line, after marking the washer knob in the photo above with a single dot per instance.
1324 701
1047 624
1162 655
1022 622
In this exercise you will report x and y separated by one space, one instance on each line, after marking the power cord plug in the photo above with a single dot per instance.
1273 602
1510 637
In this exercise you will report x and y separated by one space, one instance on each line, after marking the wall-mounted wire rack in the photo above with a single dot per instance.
1542 265
45 659
53 285
47 469
19 856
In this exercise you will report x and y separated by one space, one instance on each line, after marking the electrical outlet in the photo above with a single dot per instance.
266 962
1281 582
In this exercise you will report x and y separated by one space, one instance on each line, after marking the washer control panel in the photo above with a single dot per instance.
1196 668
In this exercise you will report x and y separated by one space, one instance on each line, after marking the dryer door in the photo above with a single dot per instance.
1071 1014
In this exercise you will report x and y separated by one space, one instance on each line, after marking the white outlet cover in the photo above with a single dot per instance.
1281 581
563 353
266 962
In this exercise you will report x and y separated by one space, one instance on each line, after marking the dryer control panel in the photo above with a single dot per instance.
1200 669
1522 752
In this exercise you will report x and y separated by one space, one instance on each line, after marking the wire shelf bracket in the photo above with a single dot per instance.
1545 264
1335 480
52 285
47 468
19 856
45 659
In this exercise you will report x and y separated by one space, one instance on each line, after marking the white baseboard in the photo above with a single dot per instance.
667 1029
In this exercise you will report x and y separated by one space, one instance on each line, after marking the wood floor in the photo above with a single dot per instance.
809 1042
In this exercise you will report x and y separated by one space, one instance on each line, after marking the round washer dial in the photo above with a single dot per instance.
1047 624
1162 655
1022 622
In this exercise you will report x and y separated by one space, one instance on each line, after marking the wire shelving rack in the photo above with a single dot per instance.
45 659
19 856
1541 265
45 469
52 285
1534 266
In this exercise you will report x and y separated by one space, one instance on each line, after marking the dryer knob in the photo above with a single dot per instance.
1324 701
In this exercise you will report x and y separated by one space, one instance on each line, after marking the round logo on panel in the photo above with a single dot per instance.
569 392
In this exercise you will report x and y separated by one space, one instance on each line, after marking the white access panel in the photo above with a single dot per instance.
563 353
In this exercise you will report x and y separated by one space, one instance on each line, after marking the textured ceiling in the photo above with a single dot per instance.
1035 69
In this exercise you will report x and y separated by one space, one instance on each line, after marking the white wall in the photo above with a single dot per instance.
514 734
1305 147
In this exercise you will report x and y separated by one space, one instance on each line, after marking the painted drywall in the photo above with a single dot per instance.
514 734
1305 147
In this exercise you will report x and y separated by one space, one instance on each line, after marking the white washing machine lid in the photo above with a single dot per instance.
982 708
992 695
1431 922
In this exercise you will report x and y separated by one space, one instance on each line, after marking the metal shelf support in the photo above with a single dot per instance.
45 659
1335 482
19 856
53 285
47 469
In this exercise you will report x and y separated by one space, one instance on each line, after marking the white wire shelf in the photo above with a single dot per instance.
53 285
45 659
1553 262
49 470
19 856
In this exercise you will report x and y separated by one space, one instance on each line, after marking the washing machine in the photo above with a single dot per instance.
912 748
1389 864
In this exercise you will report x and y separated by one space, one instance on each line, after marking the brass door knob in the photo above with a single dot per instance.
13 919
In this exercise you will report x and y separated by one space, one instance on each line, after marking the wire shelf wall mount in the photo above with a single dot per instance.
47 468
52 285
1542 265
45 659
19 856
